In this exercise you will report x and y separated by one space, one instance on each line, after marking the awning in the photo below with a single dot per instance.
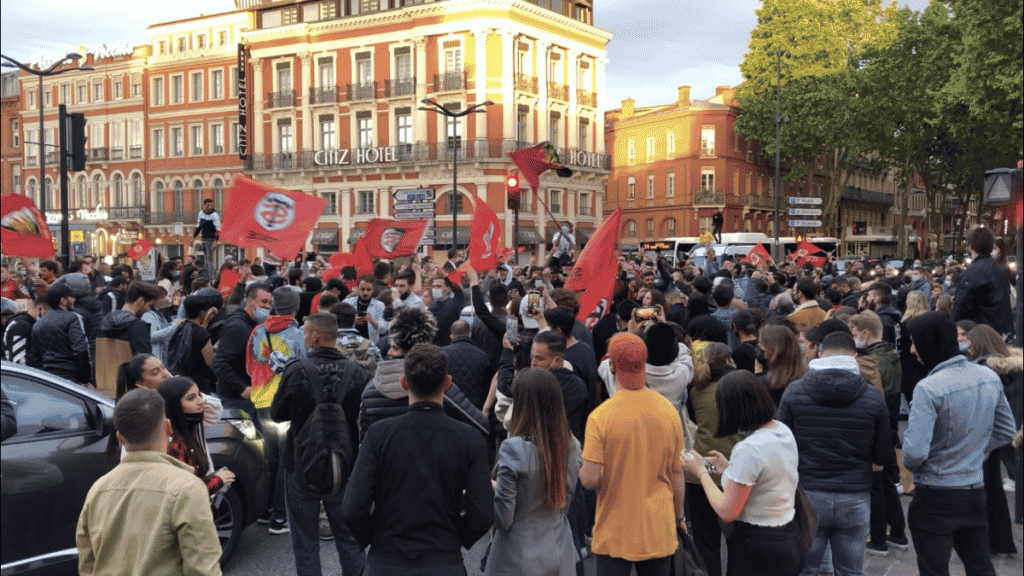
444 236
356 233
582 234
528 236
325 237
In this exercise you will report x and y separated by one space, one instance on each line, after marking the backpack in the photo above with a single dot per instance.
179 350
322 446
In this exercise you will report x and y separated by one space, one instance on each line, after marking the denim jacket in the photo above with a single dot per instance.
959 415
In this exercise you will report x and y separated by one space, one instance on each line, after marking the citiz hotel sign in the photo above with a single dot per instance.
243 105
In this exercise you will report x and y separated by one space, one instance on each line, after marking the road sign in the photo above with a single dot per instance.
804 212
804 200
414 194
399 206
804 223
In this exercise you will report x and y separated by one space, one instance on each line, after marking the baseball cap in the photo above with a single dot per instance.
818 333
628 355
78 284
528 322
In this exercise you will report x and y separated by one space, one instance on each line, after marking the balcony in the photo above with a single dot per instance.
362 91
558 91
449 81
134 152
51 156
707 151
323 95
282 99
586 98
31 161
862 195
400 87
759 202
127 213
708 197
99 154
526 83
163 217
117 153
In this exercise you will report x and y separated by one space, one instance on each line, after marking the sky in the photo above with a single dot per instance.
657 46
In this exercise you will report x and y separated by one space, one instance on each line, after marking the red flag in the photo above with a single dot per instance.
228 280
361 258
455 276
804 250
536 160
340 260
597 266
23 230
391 238
483 237
279 220
758 255
140 249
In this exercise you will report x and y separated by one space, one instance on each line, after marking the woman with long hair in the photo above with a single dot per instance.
759 481
989 349
783 360
142 371
916 305
538 467
183 404
707 534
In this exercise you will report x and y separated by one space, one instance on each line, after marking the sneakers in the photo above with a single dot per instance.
877 549
1009 485
901 543
278 526
325 527
265 517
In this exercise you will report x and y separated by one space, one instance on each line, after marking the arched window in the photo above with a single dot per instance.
81 194
631 192
49 193
158 196
459 204
670 227
179 200
218 194
30 190
96 194
137 199
631 228
118 190
197 195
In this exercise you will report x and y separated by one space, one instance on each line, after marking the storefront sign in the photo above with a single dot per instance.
346 157
77 235
54 218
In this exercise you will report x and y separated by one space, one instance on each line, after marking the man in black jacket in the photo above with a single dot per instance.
233 383
983 292
470 366
492 323
577 353
446 306
880 302
58 338
18 333
842 428
127 324
294 402
420 489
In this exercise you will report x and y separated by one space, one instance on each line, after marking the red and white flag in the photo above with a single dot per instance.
483 237
803 251
758 255
392 238
23 230
140 249
597 267
259 215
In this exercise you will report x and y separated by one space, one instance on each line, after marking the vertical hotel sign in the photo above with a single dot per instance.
243 104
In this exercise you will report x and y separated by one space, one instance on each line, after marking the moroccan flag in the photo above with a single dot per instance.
279 220
228 280
536 160
140 249
597 267
392 238
483 237
23 230
758 255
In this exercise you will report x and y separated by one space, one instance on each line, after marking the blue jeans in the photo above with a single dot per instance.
304 522
842 523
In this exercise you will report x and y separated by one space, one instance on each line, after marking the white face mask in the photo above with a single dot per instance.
858 343
995 254
437 293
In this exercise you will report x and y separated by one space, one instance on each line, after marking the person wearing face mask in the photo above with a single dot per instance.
447 301
233 384
561 246
58 338
184 406
919 283
405 296
160 329
983 292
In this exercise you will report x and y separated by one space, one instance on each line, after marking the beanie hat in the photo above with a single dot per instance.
286 301
662 348
628 355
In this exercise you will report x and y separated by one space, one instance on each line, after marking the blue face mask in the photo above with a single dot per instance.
261 314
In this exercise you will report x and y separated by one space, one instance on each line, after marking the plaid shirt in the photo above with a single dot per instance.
180 450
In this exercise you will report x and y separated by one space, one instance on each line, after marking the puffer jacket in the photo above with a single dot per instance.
470 369
983 295
229 361
90 310
59 344
384 398
840 423
1008 367
123 325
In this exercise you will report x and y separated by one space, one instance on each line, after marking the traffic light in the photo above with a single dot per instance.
76 123
512 190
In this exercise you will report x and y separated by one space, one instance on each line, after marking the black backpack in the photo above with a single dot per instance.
179 350
323 448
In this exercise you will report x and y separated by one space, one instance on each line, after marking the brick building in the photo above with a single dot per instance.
10 134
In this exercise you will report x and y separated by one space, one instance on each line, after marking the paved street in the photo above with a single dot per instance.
262 554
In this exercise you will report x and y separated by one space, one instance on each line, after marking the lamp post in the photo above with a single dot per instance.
776 249
41 73
455 154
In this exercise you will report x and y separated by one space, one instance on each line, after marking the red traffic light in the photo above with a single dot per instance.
512 182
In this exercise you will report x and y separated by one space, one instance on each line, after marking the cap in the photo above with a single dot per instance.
628 355
286 300
528 322
9 306
78 284
818 333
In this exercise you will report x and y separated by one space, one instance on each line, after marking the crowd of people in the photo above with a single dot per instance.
733 399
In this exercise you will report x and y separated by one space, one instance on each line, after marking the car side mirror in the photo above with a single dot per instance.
101 424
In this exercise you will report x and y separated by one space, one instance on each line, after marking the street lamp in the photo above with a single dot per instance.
777 252
51 71
455 154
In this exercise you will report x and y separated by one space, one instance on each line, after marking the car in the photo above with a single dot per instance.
61 448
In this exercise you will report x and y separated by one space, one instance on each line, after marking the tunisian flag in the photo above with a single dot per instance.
483 237
597 267
391 238
23 230
758 255
536 160
279 220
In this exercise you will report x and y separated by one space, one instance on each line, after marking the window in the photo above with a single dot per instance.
366 203
326 132
195 139
197 194
158 143
46 98
270 18
650 148
217 138
289 15
31 99
31 151
135 139
670 227
584 134
117 190
705 223
96 192
330 203
364 122
43 411
650 228
364 68
522 117
177 89
137 199
555 201
116 140
453 59
222 38
631 193
707 179
218 194
179 198
177 142
217 84
448 201
285 144
403 65
284 77
329 9
235 134
553 124
632 151
161 47
83 94
65 94
585 208
136 89
118 90
16 178
325 72
15 133
182 44
650 184
233 73
200 41
196 85
670 143
310 12
453 128
631 228
403 123
670 188
707 141
97 91
158 196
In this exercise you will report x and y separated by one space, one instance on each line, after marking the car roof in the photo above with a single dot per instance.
11 367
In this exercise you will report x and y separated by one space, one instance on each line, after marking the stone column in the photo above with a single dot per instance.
508 83
419 117
306 111
480 75
257 97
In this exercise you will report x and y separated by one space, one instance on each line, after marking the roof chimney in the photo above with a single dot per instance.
627 108
721 89
684 96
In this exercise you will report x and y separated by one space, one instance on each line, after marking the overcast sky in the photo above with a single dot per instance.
658 44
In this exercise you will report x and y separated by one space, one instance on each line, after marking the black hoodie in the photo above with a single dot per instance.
934 337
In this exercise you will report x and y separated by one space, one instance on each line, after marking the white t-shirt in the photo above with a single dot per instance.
767 461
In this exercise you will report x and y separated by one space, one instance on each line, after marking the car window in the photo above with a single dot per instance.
41 409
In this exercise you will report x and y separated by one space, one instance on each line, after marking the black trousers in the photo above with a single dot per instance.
765 550
886 509
942 520
704 528
609 566
1000 527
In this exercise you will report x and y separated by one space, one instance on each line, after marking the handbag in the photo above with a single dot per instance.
686 561
806 518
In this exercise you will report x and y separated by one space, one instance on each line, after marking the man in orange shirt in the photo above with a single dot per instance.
634 441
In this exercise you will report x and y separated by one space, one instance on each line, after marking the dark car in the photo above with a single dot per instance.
60 449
